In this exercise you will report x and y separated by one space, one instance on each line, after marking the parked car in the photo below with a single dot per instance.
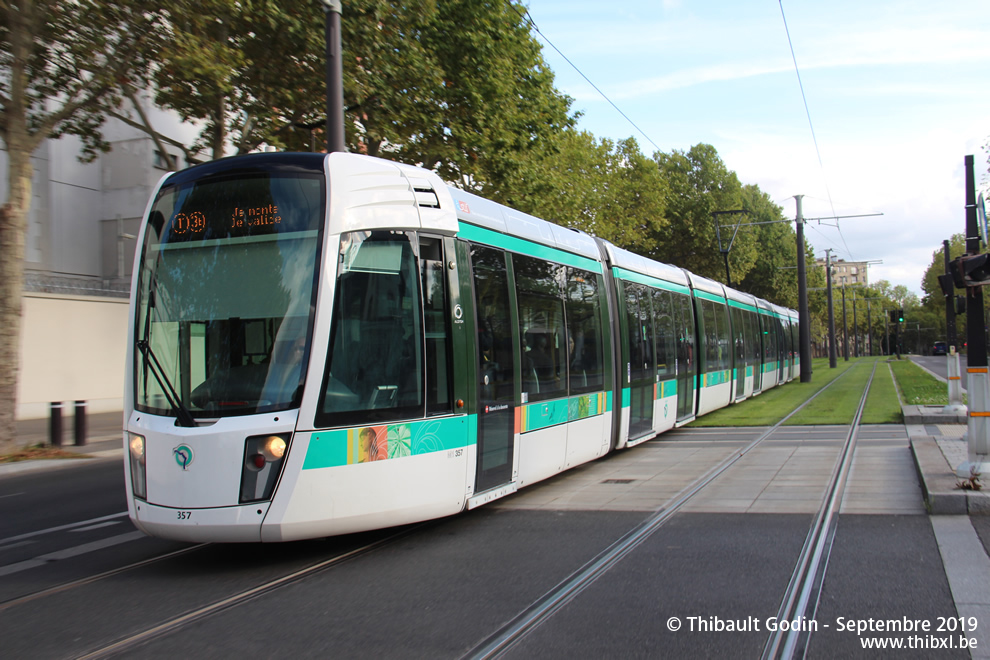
940 348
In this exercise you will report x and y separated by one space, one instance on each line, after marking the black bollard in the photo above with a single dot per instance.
55 425
79 425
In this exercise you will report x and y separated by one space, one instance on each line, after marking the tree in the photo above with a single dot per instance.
700 184
605 188
483 131
249 71
62 65
773 275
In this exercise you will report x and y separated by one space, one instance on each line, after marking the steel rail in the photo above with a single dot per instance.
65 586
131 642
512 632
809 571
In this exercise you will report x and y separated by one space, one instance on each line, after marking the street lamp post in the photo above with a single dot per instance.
335 77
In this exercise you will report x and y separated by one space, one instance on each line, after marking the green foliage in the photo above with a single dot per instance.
773 275
248 70
63 64
607 189
496 111
700 184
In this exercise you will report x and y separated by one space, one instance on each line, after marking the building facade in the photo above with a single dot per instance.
79 252
847 273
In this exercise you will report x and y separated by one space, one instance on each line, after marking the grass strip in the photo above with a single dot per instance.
839 404
770 406
918 387
882 404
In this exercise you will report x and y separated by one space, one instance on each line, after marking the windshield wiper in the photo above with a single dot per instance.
182 414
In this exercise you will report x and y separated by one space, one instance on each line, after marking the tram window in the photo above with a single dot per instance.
491 288
640 327
711 336
437 320
541 327
584 332
375 363
685 334
737 334
753 337
664 324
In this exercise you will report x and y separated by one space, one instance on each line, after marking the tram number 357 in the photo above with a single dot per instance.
183 515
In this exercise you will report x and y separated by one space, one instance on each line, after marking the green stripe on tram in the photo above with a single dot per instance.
544 414
640 278
477 234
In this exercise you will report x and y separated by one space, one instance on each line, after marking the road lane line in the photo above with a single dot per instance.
19 537
70 552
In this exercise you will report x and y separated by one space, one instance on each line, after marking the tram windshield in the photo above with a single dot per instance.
225 296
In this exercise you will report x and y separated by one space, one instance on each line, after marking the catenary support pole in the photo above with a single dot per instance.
804 316
831 311
845 327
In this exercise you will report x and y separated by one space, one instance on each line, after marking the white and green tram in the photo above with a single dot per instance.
330 343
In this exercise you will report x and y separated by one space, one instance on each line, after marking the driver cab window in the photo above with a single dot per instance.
374 368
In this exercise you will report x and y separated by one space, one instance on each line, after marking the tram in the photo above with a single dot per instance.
328 343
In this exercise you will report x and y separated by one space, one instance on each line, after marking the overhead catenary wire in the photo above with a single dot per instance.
811 124
529 18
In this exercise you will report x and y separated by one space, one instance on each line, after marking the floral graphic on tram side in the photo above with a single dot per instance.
378 443
399 440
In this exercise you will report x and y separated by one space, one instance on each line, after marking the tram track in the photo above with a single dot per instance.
526 622
804 589
516 629
135 640
74 584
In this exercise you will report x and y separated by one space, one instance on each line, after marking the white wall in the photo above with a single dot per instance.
72 348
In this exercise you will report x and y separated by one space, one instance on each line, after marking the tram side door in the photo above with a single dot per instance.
684 322
640 366
496 376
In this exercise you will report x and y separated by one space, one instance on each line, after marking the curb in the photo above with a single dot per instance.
939 483
931 415
23 467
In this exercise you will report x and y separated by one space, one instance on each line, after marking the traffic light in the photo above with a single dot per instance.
900 316
970 270
897 316
960 304
946 283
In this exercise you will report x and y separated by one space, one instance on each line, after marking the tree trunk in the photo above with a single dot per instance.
13 215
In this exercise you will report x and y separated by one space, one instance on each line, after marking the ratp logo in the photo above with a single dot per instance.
183 456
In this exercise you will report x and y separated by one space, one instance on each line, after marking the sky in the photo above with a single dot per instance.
898 94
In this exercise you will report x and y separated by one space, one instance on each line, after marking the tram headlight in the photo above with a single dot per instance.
137 455
263 459
273 448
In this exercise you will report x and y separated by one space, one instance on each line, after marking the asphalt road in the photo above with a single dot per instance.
437 590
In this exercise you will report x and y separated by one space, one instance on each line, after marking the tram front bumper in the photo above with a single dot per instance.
232 524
